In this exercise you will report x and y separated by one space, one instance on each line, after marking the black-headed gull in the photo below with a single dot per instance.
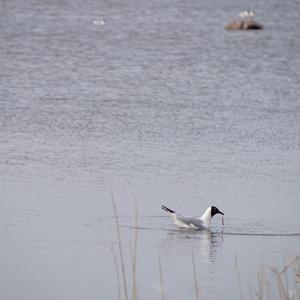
202 222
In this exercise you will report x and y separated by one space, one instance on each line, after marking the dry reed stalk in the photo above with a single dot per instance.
238 277
296 268
117 271
260 282
284 274
283 290
292 261
134 286
250 292
197 294
267 287
120 247
162 294
280 285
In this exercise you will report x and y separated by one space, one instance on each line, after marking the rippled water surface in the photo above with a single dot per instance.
153 102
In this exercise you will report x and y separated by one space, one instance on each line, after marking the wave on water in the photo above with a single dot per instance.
260 234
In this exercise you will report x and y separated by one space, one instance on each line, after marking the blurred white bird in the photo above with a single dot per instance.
247 14
99 22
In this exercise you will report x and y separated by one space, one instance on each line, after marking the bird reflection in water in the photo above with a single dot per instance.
204 243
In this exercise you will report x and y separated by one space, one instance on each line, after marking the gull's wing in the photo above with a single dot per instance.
192 222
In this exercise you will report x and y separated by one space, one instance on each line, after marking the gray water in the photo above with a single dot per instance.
158 104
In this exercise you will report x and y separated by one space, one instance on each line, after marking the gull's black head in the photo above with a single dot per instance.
214 210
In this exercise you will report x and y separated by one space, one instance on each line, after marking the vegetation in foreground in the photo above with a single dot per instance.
267 288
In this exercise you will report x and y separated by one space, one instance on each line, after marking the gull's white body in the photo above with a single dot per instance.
202 222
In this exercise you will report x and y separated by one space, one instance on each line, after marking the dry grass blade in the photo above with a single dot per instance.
281 289
238 277
257 294
250 293
197 294
297 277
117 271
260 282
292 261
120 247
162 294
134 286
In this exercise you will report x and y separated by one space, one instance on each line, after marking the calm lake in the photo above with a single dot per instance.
152 102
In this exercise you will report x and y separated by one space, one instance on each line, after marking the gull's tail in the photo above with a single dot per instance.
168 210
